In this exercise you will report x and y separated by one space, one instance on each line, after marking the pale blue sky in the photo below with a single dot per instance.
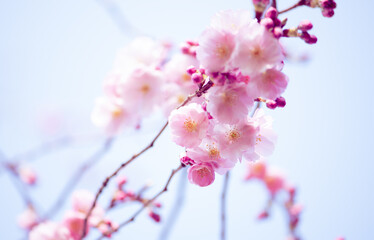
55 54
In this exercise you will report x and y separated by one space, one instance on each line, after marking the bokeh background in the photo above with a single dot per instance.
54 56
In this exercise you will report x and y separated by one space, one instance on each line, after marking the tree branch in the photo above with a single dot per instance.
223 206
90 162
198 93
164 189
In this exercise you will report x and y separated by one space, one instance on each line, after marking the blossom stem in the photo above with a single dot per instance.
90 162
198 93
223 206
298 4
146 204
274 4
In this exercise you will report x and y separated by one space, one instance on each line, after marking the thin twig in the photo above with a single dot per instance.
298 4
19 185
164 189
202 90
274 4
176 209
70 185
223 206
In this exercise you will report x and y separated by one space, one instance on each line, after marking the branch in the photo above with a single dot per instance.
70 185
164 189
198 93
19 185
223 206
175 211
274 4
298 4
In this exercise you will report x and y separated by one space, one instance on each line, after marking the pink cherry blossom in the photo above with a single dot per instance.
141 89
256 170
274 182
231 20
188 125
201 174
215 49
111 114
74 221
270 84
256 50
230 103
82 201
209 151
235 139
50 231
265 138
28 219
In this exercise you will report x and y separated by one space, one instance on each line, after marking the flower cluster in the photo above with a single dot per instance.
244 60
71 227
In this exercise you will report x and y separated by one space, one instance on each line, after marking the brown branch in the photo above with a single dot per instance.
223 206
298 4
70 185
202 89
164 189
274 4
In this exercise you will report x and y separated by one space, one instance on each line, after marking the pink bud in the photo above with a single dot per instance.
305 25
312 39
191 70
271 13
281 102
268 23
271 104
156 217
197 77
263 215
277 32
122 180
187 161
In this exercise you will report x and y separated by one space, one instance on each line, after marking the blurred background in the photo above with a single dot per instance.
54 56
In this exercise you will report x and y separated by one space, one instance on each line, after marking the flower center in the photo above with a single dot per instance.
190 125
222 52
202 172
145 89
233 135
214 153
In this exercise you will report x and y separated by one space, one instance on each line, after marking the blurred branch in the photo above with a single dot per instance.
17 182
178 204
223 206
202 89
70 185
164 189
118 17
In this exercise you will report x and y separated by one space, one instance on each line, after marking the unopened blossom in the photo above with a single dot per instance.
230 103
270 84
188 125
107 227
235 139
50 231
28 219
27 175
256 50
201 174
